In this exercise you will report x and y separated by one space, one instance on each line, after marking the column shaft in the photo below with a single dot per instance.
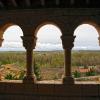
67 66
29 65
1 40
29 43
67 42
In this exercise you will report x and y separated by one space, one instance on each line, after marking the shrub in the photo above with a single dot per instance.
21 75
77 74
10 76
37 70
91 72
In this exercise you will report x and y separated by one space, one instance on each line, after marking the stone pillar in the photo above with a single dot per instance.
29 42
99 40
1 37
1 40
67 42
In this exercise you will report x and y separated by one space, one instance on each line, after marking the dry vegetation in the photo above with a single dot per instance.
49 65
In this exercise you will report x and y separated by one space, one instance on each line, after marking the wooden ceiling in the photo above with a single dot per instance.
32 4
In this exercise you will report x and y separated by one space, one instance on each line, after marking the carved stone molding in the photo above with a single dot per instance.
67 42
29 42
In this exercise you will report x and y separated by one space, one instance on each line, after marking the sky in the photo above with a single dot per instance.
86 38
49 38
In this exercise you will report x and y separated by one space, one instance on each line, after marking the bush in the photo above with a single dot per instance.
37 70
91 72
10 76
21 75
77 74
13 76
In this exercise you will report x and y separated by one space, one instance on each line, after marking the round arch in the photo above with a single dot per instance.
93 24
10 28
4 27
86 44
11 42
46 23
90 22
51 31
83 33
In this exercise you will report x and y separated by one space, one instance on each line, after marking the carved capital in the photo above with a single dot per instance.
29 42
67 42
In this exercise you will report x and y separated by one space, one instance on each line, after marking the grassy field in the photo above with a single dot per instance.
50 65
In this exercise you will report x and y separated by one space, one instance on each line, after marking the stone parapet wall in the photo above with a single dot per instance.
22 91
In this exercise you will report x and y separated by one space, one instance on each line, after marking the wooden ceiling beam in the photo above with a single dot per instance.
72 2
1 4
28 3
57 2
43 2
14 3
87 1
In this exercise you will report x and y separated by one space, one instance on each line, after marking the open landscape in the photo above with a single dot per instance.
49 65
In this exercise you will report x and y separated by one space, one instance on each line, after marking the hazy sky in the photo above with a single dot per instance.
12 38
86 37
49 38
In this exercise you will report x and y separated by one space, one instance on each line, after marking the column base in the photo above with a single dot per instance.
68 80
29 79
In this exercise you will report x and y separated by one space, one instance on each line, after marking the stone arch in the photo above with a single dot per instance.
53 32
88 21
87 45
29 42
58 37
45 23
11 45
92 23
12 38
4 27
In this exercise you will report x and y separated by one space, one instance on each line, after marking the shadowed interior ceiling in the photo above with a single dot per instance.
32 4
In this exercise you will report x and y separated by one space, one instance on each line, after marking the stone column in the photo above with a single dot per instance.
29 42
67 42
1 40
1 37
99 40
